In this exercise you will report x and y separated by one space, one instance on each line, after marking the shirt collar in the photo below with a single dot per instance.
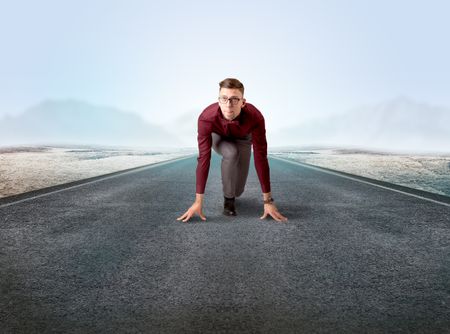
237 120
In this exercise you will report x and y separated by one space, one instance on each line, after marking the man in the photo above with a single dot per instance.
230 127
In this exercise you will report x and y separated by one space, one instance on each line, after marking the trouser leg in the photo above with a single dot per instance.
245 150
235 163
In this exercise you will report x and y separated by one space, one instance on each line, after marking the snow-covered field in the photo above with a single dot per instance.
24 169
420 171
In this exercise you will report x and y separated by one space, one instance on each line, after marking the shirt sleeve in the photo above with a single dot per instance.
204 140
260 155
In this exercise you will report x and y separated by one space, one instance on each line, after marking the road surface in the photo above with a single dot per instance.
107 255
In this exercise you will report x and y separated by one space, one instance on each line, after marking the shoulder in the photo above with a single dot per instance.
209 113
251 110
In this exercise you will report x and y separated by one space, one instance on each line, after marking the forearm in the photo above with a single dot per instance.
203 162
262 170
260 157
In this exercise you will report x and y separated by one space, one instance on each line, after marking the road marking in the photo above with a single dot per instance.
125 172
359 180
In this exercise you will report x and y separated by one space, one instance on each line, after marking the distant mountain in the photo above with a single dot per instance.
401 124
75 122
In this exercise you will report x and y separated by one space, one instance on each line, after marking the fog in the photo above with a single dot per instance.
321 72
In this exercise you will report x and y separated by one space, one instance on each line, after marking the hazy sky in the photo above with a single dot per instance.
297 59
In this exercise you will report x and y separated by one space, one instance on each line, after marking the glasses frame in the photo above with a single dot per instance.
230 99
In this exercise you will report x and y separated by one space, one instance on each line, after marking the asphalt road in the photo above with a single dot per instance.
108 256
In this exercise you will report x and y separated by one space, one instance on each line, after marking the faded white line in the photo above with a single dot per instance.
359 180
138 169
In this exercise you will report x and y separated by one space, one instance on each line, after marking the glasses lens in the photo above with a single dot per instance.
233 100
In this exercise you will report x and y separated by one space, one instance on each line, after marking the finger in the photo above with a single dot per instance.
263 216
182 216
276 215
187 218
202 216
281 218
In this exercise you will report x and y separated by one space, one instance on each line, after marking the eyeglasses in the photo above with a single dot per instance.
224 100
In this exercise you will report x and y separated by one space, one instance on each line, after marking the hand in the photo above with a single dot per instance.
195 208
271 209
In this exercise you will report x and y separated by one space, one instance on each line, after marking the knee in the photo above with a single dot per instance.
230 152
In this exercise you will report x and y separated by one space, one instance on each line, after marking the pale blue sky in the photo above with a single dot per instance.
297 59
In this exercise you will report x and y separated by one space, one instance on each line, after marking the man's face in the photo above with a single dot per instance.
230 101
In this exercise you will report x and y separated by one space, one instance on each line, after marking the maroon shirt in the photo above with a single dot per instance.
249 121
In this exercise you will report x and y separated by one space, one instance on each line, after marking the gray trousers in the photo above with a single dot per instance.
235 162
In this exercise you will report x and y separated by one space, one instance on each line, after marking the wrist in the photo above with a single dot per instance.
267 196
268 201
199 198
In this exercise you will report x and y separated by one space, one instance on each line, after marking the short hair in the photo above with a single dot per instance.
233 84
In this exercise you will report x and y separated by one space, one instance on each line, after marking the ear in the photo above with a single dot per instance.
243 102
